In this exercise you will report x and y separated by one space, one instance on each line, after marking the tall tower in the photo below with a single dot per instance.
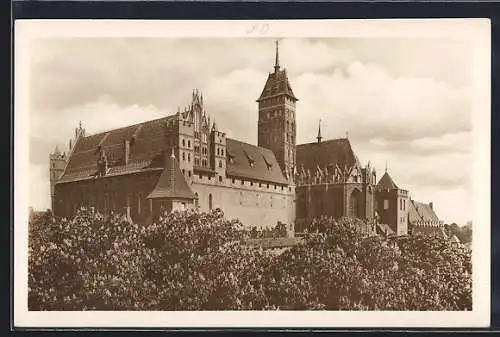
277 128
57 162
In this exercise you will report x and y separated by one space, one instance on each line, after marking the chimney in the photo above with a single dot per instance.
430 205
127 151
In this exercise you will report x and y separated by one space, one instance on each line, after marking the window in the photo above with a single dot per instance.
242 182
220 179
251 183
200 176
53 165
260 185
183 171
218 151
232 180
183 156
189 157
189 143
183 143
386 204
189 173
221 152
267 185
220 163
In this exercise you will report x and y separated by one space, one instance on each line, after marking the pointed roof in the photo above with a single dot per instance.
386 182
171 183
277 83
333 152
319 132
277 61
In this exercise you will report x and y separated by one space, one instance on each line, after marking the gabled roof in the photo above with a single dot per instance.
147 144
323 154
171 184
146 148
249 161
386 182
277 84
418 211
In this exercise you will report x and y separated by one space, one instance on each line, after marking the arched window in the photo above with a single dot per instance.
220 163
189 157
183 156
218 151
221 152
189 144
355 203
183 143
210 201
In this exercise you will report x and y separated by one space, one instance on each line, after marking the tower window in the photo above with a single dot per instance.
218 151
189 143
220 163
189 157
183 156
183 143
386 204
221 152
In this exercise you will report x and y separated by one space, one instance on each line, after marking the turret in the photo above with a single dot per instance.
218 152
57 163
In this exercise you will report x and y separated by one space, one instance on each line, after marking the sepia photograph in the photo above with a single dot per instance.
327 173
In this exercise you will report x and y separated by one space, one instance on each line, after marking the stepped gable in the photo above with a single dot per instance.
171 184
330 153
146 147
421 212
249 161
277 84
386 182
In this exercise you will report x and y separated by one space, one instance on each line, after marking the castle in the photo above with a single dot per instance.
184 161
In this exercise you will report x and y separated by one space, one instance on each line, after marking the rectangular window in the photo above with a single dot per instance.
386 204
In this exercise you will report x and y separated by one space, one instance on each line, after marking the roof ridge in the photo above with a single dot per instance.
129 126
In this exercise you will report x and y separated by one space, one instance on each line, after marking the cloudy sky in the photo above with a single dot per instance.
404 101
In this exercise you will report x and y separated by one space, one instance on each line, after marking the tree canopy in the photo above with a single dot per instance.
200 261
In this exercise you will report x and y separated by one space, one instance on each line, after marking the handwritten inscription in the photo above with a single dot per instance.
258 29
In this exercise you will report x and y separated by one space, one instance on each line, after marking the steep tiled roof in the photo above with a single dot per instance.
419 211
171 183
277 83
386 182
147 143
145 150
250 161
323 154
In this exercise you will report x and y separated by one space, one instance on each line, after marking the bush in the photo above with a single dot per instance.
199 261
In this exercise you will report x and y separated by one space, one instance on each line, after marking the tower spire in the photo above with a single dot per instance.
386 165
277 61
319 132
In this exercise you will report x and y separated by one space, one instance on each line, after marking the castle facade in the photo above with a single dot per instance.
184 161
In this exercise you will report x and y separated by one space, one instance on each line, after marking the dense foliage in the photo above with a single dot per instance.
464 233
191 261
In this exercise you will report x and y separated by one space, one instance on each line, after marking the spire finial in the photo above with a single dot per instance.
386 165
277 61
319 132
